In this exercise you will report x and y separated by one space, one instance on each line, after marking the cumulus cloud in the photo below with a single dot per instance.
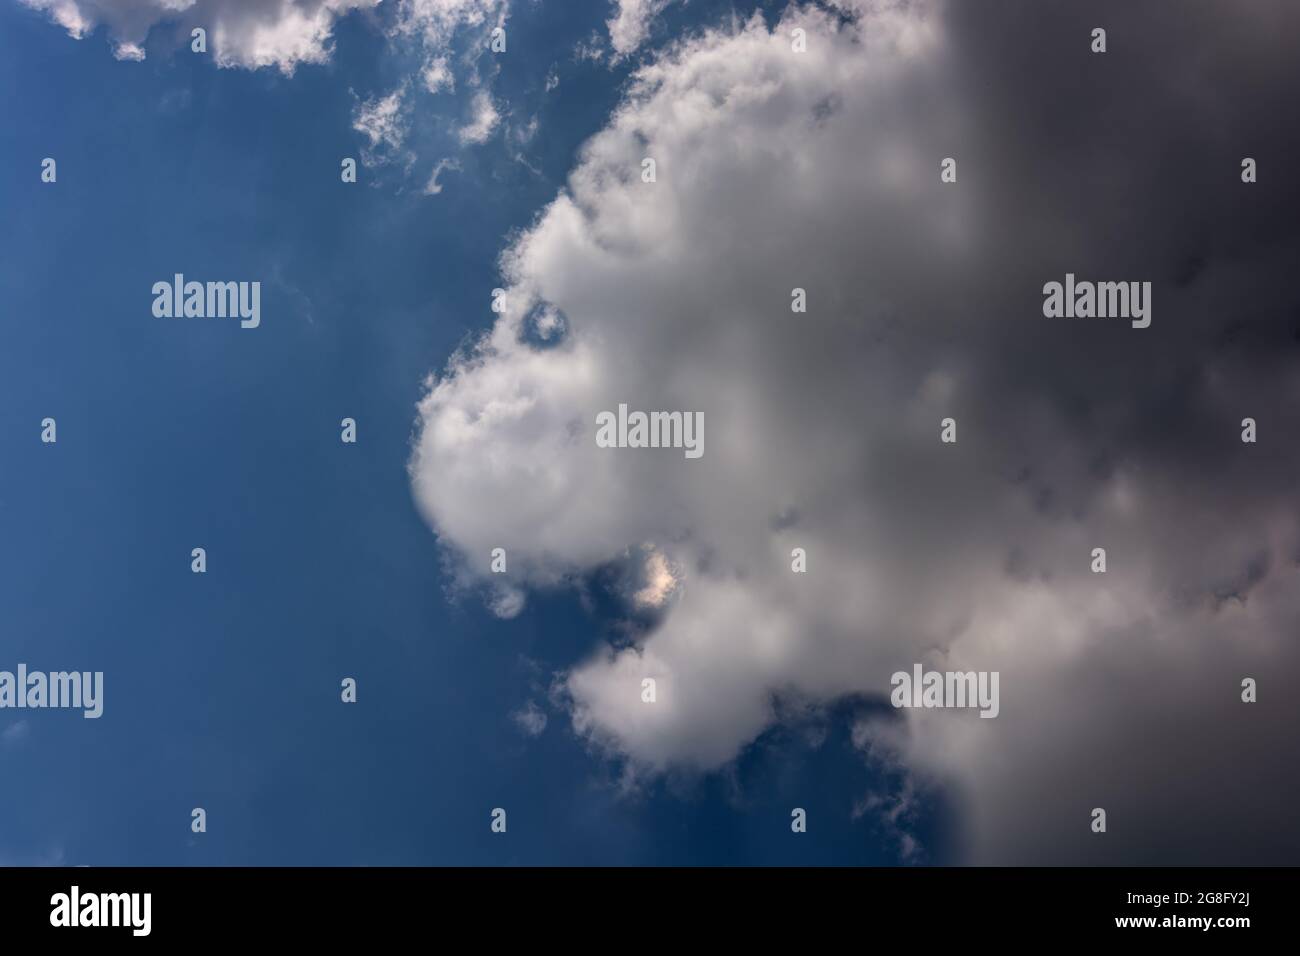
820 170
241 33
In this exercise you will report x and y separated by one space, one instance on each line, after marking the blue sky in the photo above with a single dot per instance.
222 689
858 208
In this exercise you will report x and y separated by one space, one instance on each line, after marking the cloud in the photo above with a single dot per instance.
523 133
433 25
129 51
437 21
241 33
440 42
530 719
433 187
438 75
483 122
285 33
506 602
894 811
660 582
384 122
820 171
630 25
15 733
589 50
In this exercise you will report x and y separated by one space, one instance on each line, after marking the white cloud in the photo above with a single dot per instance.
129 51
590 50
437 21
820 170
660 582
67 14
434 24
438 75
277 33
433 187
484 120
506 602
286 34
530 719
383 120
523 133
647 278
241 33
630 24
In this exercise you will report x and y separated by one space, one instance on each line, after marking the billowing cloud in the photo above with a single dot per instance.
779 170
241 33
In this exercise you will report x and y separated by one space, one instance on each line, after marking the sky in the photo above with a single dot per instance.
515 178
